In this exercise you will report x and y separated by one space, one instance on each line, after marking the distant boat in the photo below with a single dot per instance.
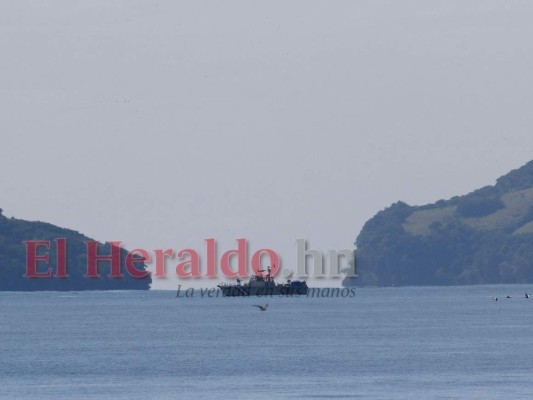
260 285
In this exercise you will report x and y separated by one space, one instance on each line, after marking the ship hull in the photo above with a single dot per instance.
243 291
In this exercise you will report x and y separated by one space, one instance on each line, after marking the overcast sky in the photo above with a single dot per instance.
162 123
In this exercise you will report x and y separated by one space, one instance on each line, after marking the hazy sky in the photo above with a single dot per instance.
162 123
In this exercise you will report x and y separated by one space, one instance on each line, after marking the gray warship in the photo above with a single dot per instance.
263 285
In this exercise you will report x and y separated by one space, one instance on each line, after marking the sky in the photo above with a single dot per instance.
163 123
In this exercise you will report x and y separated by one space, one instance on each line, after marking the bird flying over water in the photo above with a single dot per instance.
262 308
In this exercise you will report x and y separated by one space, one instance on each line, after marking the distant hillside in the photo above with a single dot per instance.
483 237
13 232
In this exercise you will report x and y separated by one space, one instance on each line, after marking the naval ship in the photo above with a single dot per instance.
263 285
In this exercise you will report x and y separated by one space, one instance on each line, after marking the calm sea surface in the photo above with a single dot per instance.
396 343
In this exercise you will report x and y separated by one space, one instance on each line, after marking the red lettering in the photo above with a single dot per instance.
211 258
274 261
93 258
160 263
32 258
193 264
131 260
61 246
225 261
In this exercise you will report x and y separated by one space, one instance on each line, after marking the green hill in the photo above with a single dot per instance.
483 237
13 233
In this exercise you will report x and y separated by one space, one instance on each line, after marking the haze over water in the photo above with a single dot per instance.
401 343
163 123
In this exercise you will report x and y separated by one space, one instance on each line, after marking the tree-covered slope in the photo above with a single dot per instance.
13 233
483 237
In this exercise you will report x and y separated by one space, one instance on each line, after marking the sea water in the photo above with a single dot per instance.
384 343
